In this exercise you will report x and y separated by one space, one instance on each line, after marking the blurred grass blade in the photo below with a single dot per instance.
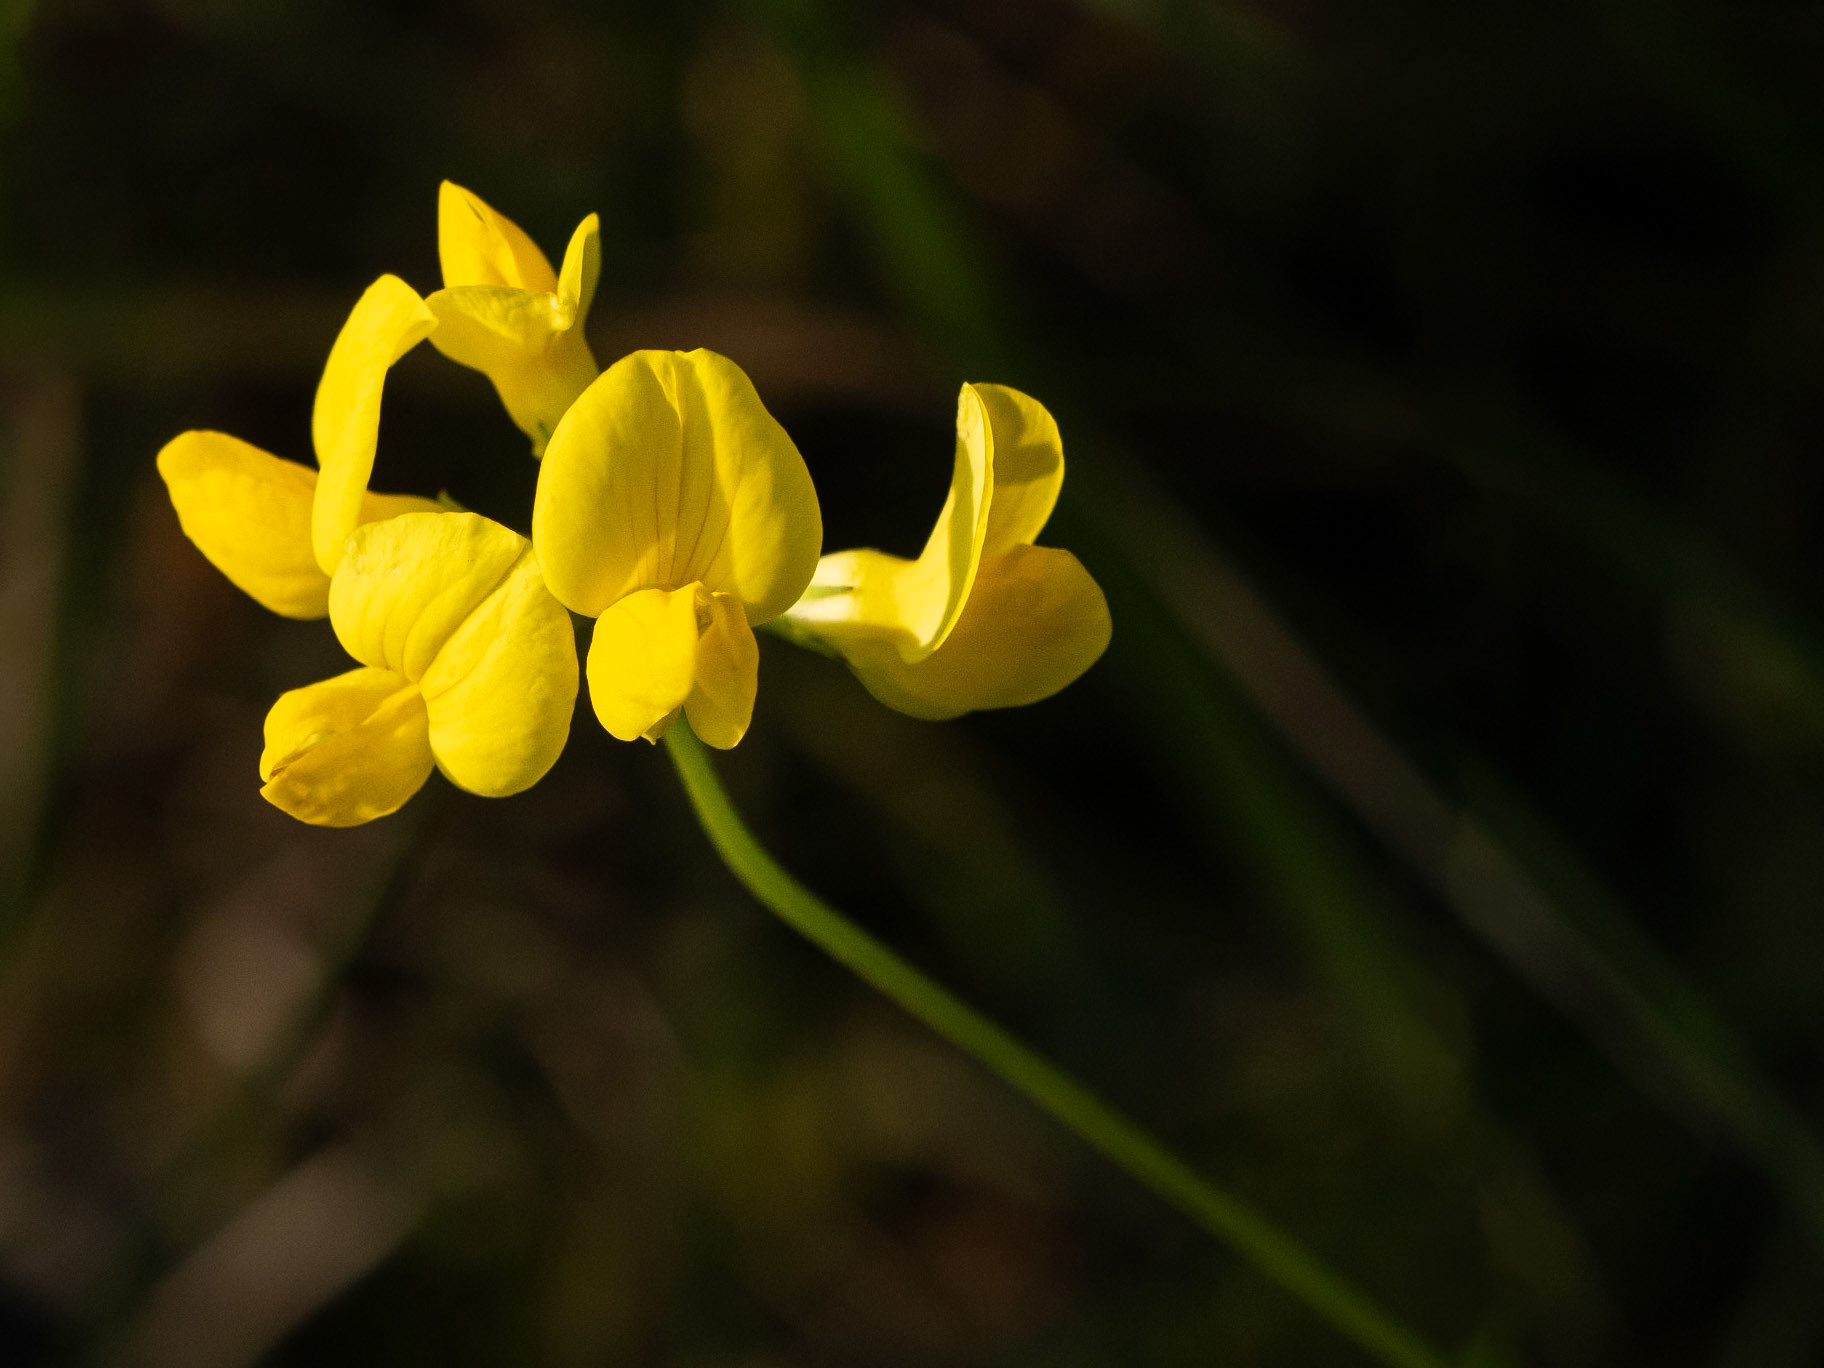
946 289
1200 725
179 1223
1713 1065
1525 463
283 1256
1665 1035
1494 441
38 457
942 281
1274 1253
1456 854
1671 48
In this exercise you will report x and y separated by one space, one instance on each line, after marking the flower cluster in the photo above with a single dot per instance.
672 509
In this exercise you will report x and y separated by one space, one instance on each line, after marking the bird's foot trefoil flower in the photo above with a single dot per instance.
672 509
503 310
468 666
272 526
676 512
983 618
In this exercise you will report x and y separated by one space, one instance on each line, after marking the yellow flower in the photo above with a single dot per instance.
275 527
468 665
983 618
506 313
675 511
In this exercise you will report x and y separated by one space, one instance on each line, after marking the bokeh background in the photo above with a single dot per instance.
1435 857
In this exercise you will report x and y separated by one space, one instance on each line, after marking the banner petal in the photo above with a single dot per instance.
668 470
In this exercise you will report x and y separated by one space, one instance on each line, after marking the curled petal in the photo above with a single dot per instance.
502 690
1035 621
1005 480
249 511
668 471
928 594
1027 459
388 321
870 597
346 750
982 619
530 345
479 245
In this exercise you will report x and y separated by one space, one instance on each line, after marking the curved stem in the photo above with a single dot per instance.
1282 1258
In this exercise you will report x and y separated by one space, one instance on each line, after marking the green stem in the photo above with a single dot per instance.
1279 1256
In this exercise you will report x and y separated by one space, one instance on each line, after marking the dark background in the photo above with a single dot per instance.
1435 857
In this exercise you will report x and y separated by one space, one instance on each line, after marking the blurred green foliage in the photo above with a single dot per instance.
1434 857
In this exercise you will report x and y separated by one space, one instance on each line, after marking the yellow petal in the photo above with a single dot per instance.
582 269
643 661
982 619
871 597
248 511
929 594
854 600
530 345
668 471
505 313
502 690
346 750
659 651
407 584
1027 457
1035 621
478 245
721 701
388 321
455 603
